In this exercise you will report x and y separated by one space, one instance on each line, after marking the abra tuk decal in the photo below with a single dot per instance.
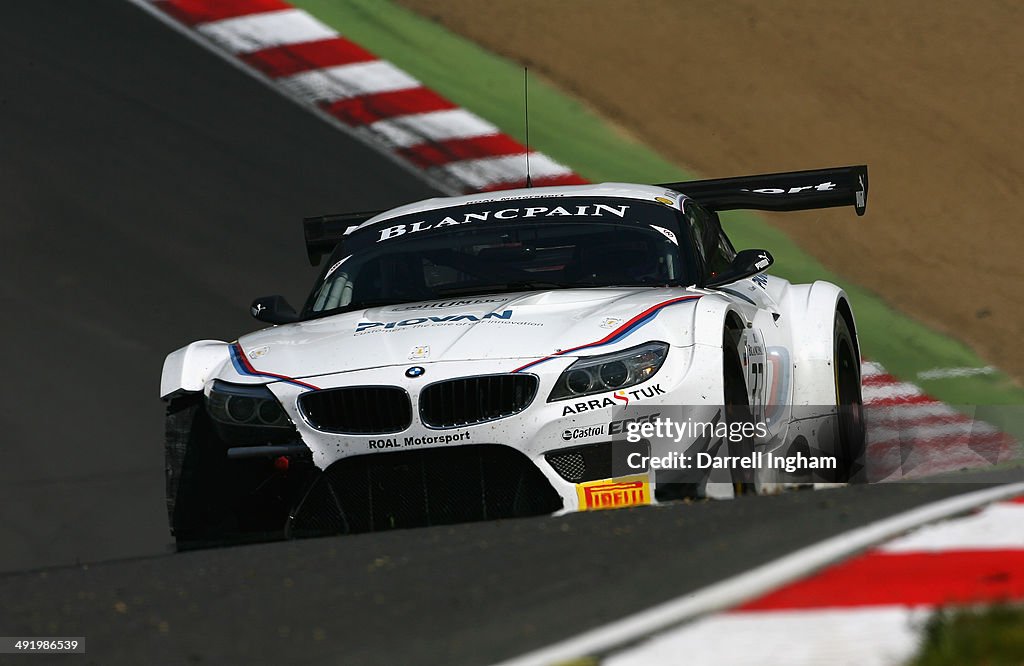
617 399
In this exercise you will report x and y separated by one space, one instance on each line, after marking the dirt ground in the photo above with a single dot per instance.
928 94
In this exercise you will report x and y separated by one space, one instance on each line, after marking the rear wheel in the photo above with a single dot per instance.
851 432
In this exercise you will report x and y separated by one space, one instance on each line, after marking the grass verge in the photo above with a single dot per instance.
993 636
569 132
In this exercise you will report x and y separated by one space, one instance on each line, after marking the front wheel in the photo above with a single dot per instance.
737 411
194 469
851 431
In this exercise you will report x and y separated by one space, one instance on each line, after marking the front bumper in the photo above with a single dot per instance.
689 376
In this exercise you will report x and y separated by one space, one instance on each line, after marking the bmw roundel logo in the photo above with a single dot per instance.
414 372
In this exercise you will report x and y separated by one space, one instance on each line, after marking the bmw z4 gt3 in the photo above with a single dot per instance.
517 353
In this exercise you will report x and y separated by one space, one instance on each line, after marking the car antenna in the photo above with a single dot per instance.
526 105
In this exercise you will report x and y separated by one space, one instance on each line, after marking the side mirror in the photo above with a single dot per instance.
745 264
273 310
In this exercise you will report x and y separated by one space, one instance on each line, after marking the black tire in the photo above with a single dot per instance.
195 461
850 427
737 409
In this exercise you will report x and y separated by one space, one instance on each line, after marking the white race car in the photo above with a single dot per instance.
517 353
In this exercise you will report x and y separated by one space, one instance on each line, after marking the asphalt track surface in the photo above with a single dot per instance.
467 594
149 190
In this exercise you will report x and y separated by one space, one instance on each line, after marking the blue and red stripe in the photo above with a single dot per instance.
618 334
244 367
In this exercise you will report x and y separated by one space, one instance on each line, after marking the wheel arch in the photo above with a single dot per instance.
187 370
712 317
733 321
812 310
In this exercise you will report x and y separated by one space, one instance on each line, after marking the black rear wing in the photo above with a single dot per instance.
795 190
324 232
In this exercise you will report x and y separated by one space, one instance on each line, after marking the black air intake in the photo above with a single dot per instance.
597 461
461 402
358 410
417 488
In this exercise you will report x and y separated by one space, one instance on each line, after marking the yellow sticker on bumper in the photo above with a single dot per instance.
614 493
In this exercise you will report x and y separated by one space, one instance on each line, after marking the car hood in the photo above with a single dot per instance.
520 325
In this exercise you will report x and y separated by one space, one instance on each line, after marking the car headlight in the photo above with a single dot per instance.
610 372
244 405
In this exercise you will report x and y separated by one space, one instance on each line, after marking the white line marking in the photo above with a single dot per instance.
926 432
955 373
943 450
913 412
869 369
414 129
510 168
877 636
997 527
902 422
345 81
891 467
758 581
890 391
255 32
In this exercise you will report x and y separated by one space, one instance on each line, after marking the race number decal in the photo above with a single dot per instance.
759 373
779 372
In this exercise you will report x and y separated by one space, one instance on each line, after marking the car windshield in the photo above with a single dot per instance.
504 247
